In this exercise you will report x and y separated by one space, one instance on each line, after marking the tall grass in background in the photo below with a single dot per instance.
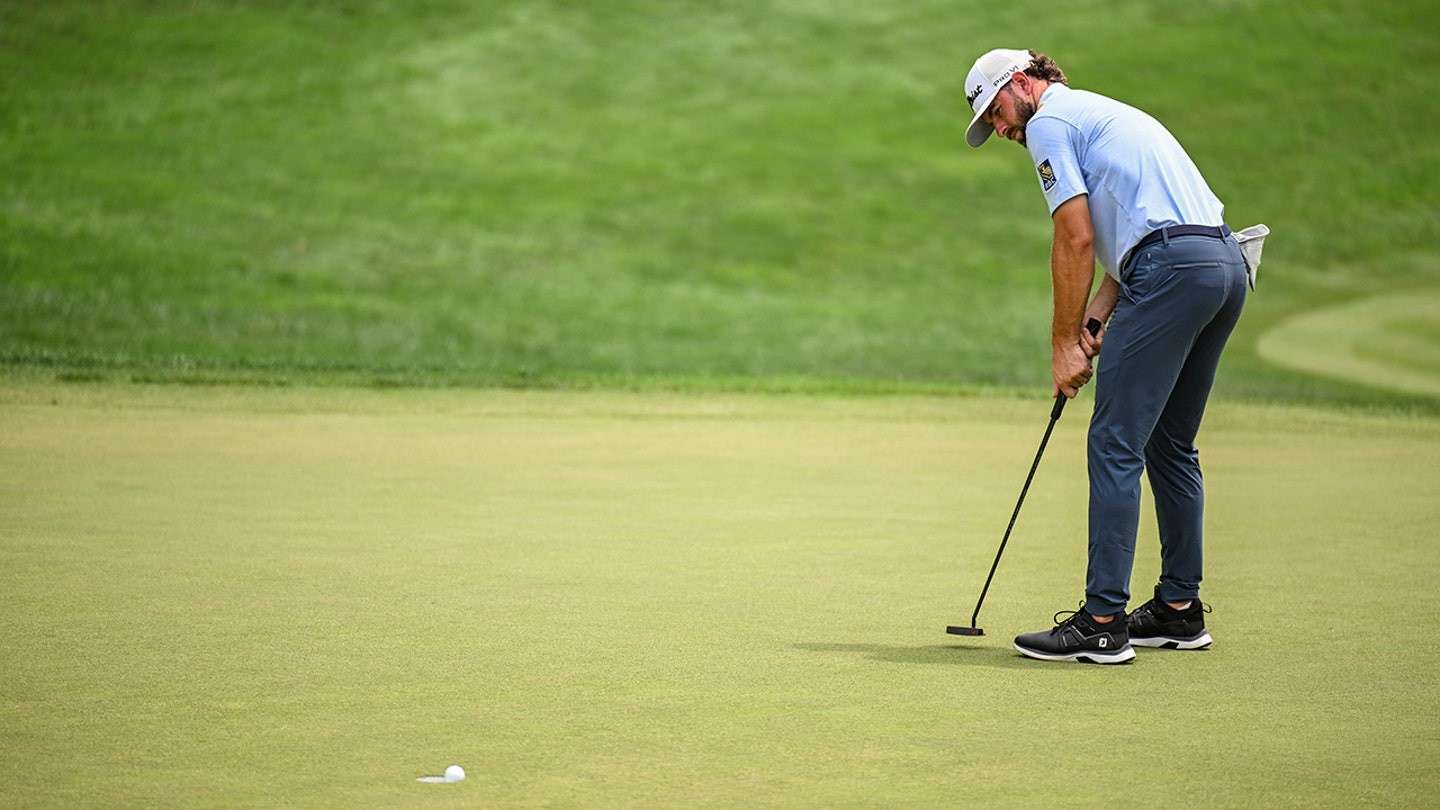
561 193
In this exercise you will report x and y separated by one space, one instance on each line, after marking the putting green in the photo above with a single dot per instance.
1389 341
311 598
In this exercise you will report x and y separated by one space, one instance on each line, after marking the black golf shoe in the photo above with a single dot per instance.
1079 638
1156 624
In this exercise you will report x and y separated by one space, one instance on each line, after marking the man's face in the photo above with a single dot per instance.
1009 113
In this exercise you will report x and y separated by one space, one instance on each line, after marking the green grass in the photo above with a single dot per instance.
548 193
1386 340
310 598
306 576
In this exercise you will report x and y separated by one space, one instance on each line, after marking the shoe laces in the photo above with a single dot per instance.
1074 616
1071 616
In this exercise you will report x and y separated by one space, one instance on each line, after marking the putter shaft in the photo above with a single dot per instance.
1093 326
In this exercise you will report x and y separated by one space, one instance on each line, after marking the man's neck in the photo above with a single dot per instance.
1037 90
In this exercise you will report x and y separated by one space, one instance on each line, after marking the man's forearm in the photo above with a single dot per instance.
1106 297
1072 270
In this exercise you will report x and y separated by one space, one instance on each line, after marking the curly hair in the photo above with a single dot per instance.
1044 68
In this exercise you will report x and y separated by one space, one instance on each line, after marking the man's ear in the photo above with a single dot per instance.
1023 85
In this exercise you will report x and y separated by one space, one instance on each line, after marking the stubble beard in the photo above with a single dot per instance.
1024 111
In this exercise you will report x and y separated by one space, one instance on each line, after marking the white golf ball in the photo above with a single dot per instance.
454 773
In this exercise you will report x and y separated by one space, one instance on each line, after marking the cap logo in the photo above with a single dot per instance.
987 76
993 84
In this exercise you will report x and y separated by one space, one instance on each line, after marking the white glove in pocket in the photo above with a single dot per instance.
1252 242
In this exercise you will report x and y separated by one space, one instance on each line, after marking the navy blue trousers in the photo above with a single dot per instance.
1180 299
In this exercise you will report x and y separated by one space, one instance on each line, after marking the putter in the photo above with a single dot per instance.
974 629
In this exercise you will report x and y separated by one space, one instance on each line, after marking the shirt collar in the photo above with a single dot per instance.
1054 89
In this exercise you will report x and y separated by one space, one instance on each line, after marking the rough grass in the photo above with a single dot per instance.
538 193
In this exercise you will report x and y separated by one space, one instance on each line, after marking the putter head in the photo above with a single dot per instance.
964 631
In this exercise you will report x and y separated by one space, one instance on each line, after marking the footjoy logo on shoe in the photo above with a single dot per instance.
1104 642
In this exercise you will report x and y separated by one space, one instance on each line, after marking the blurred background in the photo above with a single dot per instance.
752 193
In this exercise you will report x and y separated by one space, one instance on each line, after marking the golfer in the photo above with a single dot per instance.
1123 193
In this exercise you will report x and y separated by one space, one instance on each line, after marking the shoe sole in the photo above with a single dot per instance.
1199 642
1121 656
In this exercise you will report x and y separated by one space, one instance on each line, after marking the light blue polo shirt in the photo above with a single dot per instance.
1137 175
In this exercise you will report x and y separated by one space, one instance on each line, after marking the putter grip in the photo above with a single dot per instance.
1093 327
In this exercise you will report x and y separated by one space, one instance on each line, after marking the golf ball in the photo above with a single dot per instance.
454 773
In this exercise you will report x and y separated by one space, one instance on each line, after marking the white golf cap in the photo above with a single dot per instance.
990 73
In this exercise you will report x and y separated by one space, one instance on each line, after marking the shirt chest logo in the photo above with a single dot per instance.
1047 175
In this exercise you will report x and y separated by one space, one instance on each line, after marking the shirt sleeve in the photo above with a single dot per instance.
1052 147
